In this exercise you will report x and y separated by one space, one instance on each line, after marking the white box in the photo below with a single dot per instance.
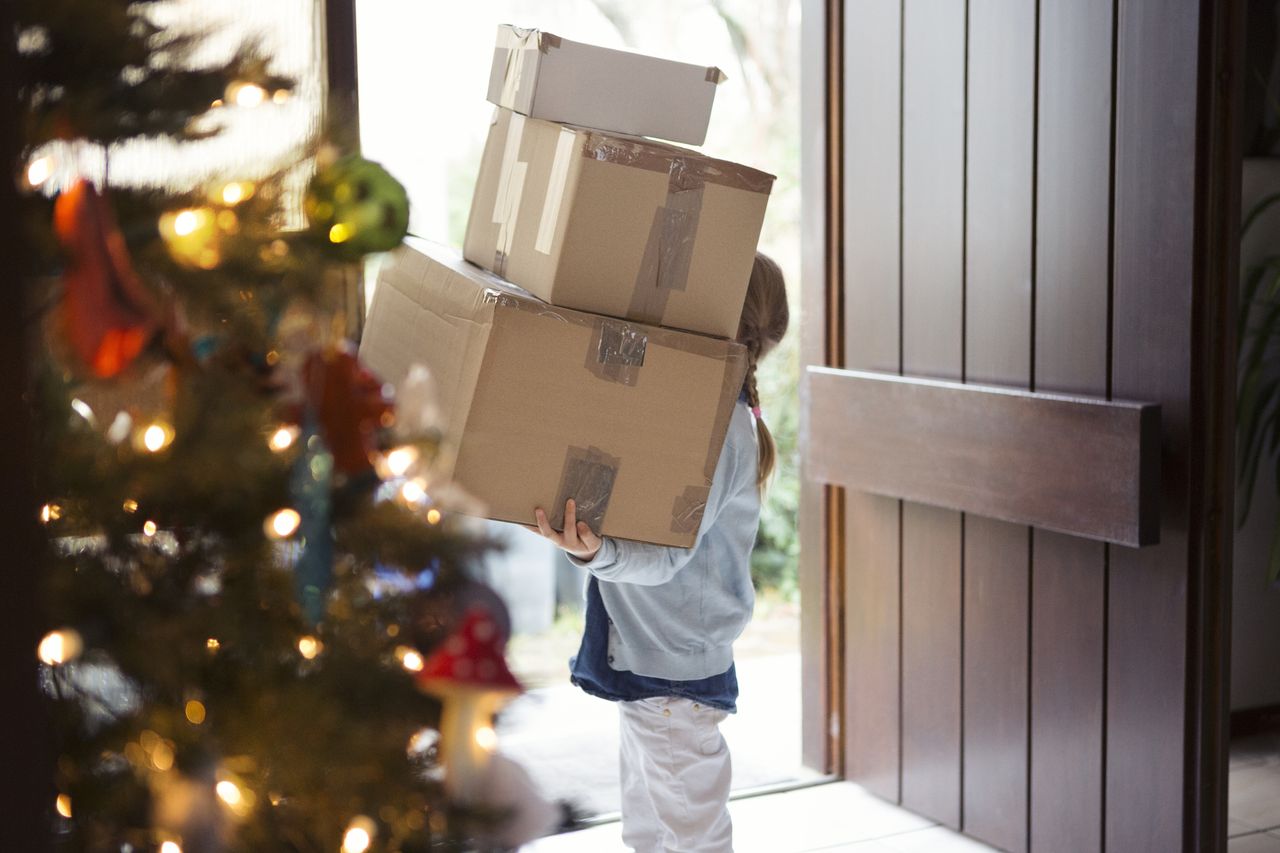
542 75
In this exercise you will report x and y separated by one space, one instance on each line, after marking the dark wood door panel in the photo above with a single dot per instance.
1071 333
933 64
872 253
998 286
872 631
996 559
931 554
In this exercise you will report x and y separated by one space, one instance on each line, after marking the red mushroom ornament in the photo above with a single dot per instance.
470 676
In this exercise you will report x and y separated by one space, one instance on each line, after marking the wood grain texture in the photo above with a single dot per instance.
1074 464
872 671
1068 622
998 198
933 60
1154 292
872 89
814 195
931 665
996 580
1066 694
871 161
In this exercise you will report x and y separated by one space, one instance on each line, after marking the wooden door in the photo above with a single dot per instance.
1030 201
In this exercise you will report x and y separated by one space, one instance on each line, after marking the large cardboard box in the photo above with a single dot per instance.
542 75
617 225
543 403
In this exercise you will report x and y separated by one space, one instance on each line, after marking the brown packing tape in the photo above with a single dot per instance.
588 477
715 75
617 351
689 506
668 253
682 164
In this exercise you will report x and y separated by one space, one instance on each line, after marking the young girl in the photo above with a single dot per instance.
660 623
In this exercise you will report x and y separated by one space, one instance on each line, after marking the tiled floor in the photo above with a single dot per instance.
804 820
1253 804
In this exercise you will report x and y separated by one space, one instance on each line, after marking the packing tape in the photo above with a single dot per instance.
660 157
668 253
506 202
587 477
617 351
715 75
688 508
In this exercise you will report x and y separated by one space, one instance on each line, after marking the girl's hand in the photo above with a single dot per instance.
577 538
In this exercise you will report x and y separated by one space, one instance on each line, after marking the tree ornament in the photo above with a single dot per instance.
349 407
108 314
311 490
470 676
357 207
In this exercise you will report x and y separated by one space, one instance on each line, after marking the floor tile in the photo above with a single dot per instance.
827 817
1262 842
1239 827
935 839
1253 796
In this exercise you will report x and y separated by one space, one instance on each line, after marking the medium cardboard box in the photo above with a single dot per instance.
542 75
617 225
543 403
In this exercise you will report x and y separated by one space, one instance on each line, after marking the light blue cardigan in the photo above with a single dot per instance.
675 612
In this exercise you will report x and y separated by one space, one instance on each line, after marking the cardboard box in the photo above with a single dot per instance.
617 225
543 403
542 75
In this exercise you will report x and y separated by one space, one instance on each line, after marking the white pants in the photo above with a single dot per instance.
675 777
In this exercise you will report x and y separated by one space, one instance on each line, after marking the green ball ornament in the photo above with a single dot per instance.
357 207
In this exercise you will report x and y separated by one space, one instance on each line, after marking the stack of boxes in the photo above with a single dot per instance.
584 346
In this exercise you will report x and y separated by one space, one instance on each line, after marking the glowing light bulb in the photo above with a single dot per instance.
280 96
309 647
59 647
282 439
339 233
130 505
433 516
64 805
162 756
170 847
486 738
400 460
413 492
195 712
246 94
149 528
212 644
39 170
283 523
359 835
409 658
229 792
157 437
186 222
50 512
236 192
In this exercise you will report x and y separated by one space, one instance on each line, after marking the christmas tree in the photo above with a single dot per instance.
249 570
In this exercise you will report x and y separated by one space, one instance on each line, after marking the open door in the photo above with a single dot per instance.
1017 624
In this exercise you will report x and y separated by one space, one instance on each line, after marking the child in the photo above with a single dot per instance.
660 623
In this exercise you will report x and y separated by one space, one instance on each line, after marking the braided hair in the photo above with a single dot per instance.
764 323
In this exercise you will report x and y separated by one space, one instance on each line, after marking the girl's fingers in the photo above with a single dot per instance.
589 539
570 519
544 527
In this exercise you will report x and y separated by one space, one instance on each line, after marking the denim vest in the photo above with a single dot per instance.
590 669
